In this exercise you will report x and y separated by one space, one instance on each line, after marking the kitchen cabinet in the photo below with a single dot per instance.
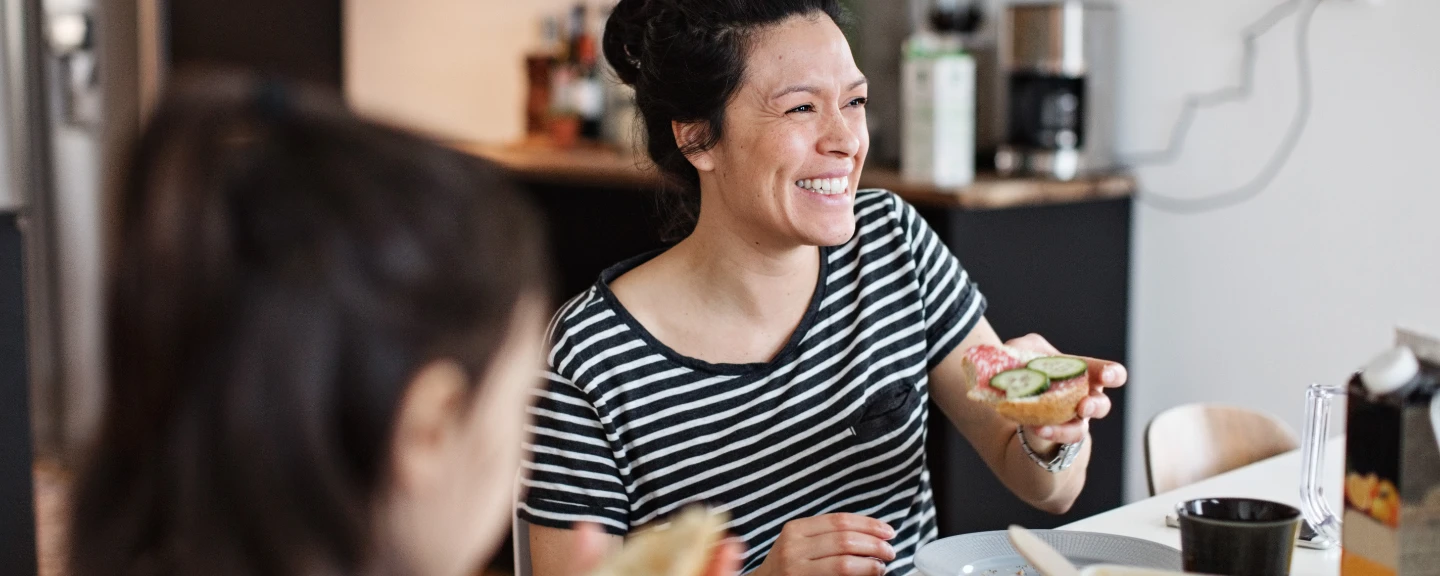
17 505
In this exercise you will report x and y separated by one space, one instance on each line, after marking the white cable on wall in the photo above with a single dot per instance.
1195 102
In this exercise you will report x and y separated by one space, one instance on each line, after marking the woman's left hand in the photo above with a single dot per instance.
1103 374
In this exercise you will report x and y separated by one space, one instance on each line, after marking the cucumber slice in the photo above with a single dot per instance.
1058 367
1020 382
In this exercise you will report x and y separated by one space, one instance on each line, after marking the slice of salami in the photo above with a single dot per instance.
991 360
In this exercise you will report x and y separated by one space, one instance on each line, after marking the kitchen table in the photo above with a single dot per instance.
1276 479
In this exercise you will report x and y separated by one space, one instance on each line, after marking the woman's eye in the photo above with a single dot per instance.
861 101
802 108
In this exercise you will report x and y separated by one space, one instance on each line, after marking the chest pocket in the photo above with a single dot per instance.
886 411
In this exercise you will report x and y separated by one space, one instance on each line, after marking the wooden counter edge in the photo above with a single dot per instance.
602 167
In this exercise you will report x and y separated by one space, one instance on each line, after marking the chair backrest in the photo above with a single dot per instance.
1190 443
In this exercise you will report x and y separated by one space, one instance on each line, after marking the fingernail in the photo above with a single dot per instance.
1046 432
1111 374
1088 411
889 550
890 531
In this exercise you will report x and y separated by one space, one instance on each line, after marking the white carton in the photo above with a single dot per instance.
938 118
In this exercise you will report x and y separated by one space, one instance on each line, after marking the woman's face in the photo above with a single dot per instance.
457 454
788 162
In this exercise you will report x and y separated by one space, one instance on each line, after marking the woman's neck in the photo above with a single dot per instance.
745 273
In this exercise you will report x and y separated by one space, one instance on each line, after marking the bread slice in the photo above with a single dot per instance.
1056 406
681 548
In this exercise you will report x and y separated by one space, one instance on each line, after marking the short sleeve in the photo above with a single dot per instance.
573 475
953 303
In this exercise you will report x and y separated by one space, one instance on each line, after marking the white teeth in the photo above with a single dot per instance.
827 186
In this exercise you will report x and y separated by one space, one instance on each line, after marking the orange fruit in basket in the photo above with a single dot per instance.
1386 506
1360 490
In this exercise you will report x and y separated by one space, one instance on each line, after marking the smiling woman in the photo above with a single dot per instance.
777 362
688 60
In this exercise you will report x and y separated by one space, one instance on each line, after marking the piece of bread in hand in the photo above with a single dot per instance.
1057 405
681 548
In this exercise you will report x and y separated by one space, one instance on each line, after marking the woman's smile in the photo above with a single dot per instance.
827 190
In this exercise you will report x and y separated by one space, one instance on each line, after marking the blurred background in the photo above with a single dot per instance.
1324 235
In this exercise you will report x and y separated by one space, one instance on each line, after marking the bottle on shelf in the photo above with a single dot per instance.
539 72
589 91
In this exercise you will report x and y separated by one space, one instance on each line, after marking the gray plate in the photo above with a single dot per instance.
990 553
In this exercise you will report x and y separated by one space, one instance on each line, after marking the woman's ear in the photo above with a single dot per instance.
426 422
687 133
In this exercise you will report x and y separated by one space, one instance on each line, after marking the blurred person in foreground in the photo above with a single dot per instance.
322 335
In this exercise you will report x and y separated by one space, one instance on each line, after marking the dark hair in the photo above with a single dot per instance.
686 58
283 269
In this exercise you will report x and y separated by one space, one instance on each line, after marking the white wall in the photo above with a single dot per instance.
1249 305
454 68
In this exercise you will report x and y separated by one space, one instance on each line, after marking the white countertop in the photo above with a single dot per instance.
1275 479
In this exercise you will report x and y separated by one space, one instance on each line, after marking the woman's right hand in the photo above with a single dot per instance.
832 544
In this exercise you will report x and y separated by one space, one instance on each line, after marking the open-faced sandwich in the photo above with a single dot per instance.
681 548
1025 387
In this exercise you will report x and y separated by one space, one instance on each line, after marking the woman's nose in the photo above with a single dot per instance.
840 138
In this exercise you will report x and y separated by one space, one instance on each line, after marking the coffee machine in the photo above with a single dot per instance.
1057 62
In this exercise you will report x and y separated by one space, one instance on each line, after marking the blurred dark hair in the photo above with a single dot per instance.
283 269
685 59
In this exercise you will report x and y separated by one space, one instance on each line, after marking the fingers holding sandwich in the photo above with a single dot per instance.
1103 373
1030 382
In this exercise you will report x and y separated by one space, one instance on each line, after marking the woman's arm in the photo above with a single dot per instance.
994 437
559 552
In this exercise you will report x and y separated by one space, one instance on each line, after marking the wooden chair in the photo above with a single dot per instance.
1190 443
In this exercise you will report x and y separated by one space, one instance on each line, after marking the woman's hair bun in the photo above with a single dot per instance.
624 38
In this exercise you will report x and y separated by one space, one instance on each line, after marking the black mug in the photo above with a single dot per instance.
1237 536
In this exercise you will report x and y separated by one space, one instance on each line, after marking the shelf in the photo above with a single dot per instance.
610 168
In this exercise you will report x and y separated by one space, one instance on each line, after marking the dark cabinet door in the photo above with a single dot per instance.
1063 272
17 503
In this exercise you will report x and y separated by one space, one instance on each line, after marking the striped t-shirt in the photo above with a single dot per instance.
628 431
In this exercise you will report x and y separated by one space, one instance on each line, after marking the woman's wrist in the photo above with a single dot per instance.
1040 447
1049 455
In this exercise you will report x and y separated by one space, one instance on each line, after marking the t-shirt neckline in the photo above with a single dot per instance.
786 354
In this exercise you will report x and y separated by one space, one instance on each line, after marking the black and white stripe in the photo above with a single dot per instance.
628 431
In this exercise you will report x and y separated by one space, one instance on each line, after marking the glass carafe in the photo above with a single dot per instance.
1319 401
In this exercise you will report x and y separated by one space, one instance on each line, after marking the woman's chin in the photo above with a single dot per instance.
829 230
